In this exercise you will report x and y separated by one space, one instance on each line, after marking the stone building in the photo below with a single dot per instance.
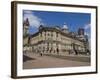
26 37
56 40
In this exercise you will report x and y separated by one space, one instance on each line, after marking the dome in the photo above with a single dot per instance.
65 26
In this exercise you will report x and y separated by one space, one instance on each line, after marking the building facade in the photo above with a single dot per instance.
55 40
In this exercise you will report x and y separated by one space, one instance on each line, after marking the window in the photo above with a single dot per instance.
51 34
56 34
48 34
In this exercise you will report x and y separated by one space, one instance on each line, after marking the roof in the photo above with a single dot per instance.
55 29
26 22
65 26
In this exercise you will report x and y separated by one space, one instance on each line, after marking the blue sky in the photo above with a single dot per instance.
73 20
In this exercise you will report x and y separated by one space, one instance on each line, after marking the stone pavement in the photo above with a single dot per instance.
32 61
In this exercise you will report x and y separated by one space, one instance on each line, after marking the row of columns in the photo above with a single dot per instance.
53 48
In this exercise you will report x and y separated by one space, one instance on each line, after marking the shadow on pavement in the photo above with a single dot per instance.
26 58
73 58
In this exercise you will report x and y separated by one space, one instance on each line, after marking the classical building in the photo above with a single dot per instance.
55 40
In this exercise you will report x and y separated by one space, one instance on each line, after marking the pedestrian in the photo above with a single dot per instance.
41 53
57 51
76 52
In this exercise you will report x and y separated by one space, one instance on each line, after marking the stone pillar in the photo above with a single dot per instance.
54 35
43 35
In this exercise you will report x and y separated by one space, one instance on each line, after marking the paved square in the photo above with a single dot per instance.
32 61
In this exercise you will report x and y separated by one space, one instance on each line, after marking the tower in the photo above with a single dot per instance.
80 31
65 28
26 27
81 34
40 27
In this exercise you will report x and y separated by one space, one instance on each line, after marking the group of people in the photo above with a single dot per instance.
76 52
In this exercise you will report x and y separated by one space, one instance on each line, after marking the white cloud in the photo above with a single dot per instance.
34 20
28 12
87 26
86 33
87 30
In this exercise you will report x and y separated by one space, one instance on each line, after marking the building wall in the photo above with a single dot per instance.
25 40
50 41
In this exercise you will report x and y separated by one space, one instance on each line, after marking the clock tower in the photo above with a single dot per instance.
26 27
